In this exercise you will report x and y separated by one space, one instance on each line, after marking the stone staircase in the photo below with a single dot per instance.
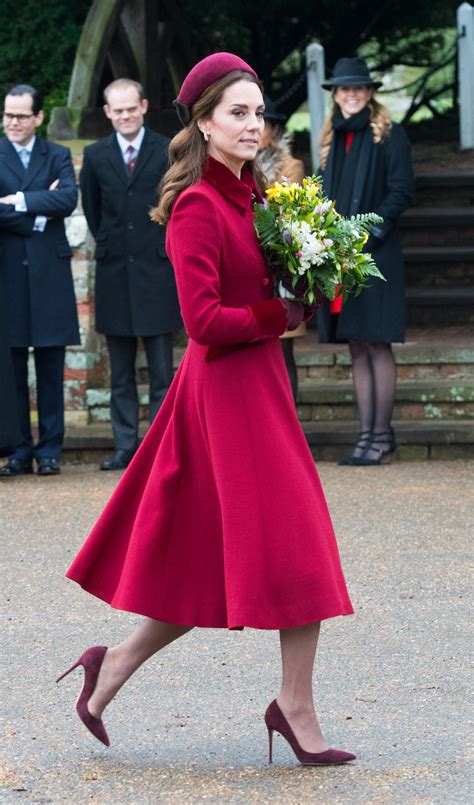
438 246
434 409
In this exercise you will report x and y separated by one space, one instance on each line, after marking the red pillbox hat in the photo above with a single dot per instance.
202 75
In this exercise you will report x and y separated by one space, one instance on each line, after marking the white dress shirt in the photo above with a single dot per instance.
124 144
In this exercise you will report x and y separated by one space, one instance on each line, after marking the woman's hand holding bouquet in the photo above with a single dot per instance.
313 249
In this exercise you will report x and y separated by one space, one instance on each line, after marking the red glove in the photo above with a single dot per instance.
295 313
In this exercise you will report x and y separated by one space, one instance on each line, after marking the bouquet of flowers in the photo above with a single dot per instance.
311 246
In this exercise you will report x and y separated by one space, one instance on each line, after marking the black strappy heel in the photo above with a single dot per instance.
363 442
383 456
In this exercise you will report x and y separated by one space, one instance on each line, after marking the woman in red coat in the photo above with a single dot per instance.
220 520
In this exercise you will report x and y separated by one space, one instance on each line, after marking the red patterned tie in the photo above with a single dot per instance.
131 158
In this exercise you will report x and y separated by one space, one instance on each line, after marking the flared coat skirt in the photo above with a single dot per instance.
220 520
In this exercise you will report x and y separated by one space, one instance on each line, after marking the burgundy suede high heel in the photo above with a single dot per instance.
275 720
91 661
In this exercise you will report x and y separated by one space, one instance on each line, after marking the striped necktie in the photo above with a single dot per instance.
131 157
24 155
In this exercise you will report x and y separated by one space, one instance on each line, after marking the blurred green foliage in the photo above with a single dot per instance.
38 38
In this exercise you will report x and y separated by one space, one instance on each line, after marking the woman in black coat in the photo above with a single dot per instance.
366 167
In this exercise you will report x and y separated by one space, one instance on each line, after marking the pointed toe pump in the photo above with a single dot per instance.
91 661
276 721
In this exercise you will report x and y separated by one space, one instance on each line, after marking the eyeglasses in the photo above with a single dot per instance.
20 118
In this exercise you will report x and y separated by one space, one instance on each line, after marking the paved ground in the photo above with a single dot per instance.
391 682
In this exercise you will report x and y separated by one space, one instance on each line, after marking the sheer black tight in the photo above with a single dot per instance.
287 345
374 375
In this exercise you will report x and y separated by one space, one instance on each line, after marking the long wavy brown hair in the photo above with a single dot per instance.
380 123
188 149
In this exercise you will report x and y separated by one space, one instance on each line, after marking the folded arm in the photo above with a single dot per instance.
18 223
58 203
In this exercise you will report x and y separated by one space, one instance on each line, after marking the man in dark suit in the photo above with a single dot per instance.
135 286
37 191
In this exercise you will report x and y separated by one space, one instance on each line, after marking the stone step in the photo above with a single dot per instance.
437 226
437 306
448 189
435 275
432 358
416 440
322 400
441 255
443 399
440 266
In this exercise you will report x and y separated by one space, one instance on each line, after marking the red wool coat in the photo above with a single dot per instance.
220 519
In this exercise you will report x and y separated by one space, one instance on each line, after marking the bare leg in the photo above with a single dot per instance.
121 661
298 650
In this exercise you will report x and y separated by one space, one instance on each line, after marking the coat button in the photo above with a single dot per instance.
130 259
265 282
130 226
24 262
130 193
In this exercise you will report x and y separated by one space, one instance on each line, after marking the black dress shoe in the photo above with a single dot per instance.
119 460
16 466
48 466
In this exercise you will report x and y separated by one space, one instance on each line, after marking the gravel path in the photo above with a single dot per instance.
391 682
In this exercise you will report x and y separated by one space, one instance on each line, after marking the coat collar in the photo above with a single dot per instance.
14 162
241 192
116 157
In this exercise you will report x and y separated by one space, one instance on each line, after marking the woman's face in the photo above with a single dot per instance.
236 126
352 99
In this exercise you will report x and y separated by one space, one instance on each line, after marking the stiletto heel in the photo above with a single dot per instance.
68 671
275 720
91 661
270 745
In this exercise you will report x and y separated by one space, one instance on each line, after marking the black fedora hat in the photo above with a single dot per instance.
351 72
271 113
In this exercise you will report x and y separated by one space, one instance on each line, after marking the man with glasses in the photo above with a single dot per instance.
37 191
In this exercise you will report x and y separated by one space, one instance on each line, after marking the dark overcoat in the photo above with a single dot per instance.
135 285
37 265
384 183
9 425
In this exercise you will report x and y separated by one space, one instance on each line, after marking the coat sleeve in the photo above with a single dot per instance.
57 203
400 182
91 195
17 222
194 245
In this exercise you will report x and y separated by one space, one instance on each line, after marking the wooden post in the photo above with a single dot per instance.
465 29
316 97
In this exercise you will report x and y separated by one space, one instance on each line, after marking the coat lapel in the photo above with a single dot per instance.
116 159
144 154
37 160
10 159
